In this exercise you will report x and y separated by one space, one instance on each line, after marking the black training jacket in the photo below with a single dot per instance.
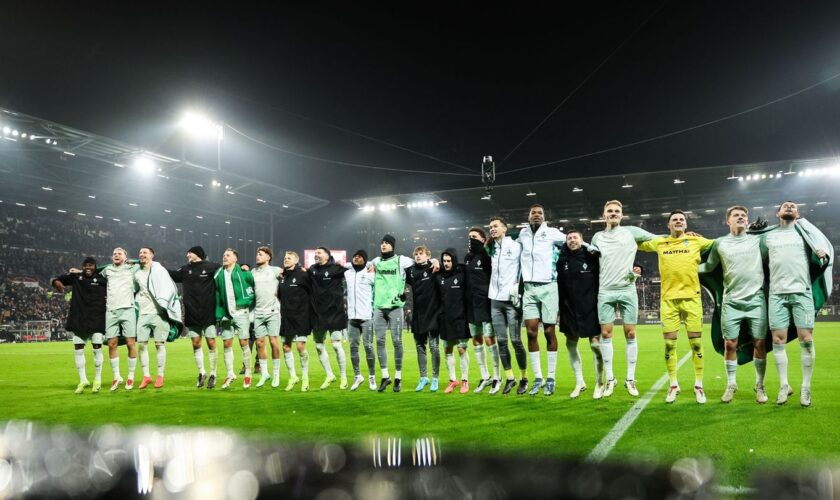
199 292
87 307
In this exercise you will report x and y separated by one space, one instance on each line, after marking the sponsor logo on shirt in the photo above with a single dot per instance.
676 251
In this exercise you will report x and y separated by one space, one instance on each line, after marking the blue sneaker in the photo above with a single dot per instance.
535 389
424 381
434 386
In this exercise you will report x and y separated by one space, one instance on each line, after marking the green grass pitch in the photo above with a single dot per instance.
37 383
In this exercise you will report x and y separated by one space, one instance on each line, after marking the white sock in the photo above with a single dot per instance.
481 358
324 359
161 359
115 367
228 355
574 360
275 365
198 354
760 368
534 360
132 366
632 356
97 364
79 355
731 367
598 361
144 359
246 359
607 355
465 365
290 363
450 365
552 364
304 363
398 374
213 356
264 367
341 356
808 356
494 357
384 372
780 357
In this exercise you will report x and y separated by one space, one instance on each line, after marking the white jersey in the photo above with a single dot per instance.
504 275
538 260
359 293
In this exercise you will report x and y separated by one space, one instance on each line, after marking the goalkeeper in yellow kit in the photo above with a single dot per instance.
679 256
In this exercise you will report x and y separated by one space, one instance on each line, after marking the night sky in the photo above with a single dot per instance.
450 81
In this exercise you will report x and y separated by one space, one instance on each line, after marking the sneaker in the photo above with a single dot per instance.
495 386
465 386
784 392
263 380
631 388
481 385
760 394
729 393
372 383
672 394
144 383
275 380
81 387
211 381
228 380
202 378
327 381
509 385
383 384
610 387
805 397
535 389
304 384
579 388
549 387
159 382
357 381
129 384
424 381
97 386
433 387
246 384
397 385
291 384
343 384
451 387
116 384
598 393
523 386
699 395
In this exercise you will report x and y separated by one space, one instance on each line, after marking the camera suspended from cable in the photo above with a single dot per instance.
488 176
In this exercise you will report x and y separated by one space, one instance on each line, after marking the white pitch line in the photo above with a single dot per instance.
734 490
609 441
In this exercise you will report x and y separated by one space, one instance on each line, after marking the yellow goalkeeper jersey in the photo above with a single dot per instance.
678 261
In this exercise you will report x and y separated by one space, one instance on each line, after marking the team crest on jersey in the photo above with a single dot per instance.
685 242
203 272
585 267
294 280
425 274
326 274
478 264
456 281
94 280
566 266
542 235
189 272
508 253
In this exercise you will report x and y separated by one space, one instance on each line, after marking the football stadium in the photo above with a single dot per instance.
213 303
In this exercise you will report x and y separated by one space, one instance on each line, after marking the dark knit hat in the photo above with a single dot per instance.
390 240
89 260
198 251
362 254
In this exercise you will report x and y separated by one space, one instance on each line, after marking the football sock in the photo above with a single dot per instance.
536 365
199 360
246 359
552 364
493 350
697 359
465 365
79 355
808 356
290 363
760 368
341 356
574 359
607 355
481 359
731 367
160 351
670 359
144 359
450 365
97 364
780 357
213 356
632 354
228 355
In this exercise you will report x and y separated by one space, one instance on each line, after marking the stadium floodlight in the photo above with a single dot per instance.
678 181
15 133
199 125
144 165
530 193
7 130
577 189
46 188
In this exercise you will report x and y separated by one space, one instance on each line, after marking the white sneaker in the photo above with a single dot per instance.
805 397
631 388
760 395
610 387
598 393
482 385
327 381
495 386
357 382
372 383
275 380
729 393
784 392
263 379
580 387
699 395
672 394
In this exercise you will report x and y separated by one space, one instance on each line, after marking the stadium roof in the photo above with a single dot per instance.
57 167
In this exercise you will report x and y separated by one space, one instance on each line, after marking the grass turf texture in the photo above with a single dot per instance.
38 380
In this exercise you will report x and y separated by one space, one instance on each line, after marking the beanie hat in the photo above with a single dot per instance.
198 251
89 260
390 240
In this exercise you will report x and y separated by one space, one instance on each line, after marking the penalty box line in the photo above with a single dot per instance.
609 441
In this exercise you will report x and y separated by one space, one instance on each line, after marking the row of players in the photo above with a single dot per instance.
542 274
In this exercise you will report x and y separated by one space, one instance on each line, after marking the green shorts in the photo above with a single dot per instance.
753 311
206 332
784 306
320 337
149 325
540 301
82 338
238 325
484 329
625 301
121 322
289 340
267 325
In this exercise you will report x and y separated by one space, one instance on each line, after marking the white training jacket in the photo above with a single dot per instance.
538 260
504 275
359 293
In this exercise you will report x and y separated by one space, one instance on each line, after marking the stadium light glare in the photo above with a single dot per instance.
678 181
115 219
42 208
167 211
822 203
200 125
92 196
577 189
144 165
61 211
199 217
46 188
626 185
23 135
7 130
530 193
763 176
486 197
132 204
15 133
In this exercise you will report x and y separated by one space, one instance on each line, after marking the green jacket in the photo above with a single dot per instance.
243 291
